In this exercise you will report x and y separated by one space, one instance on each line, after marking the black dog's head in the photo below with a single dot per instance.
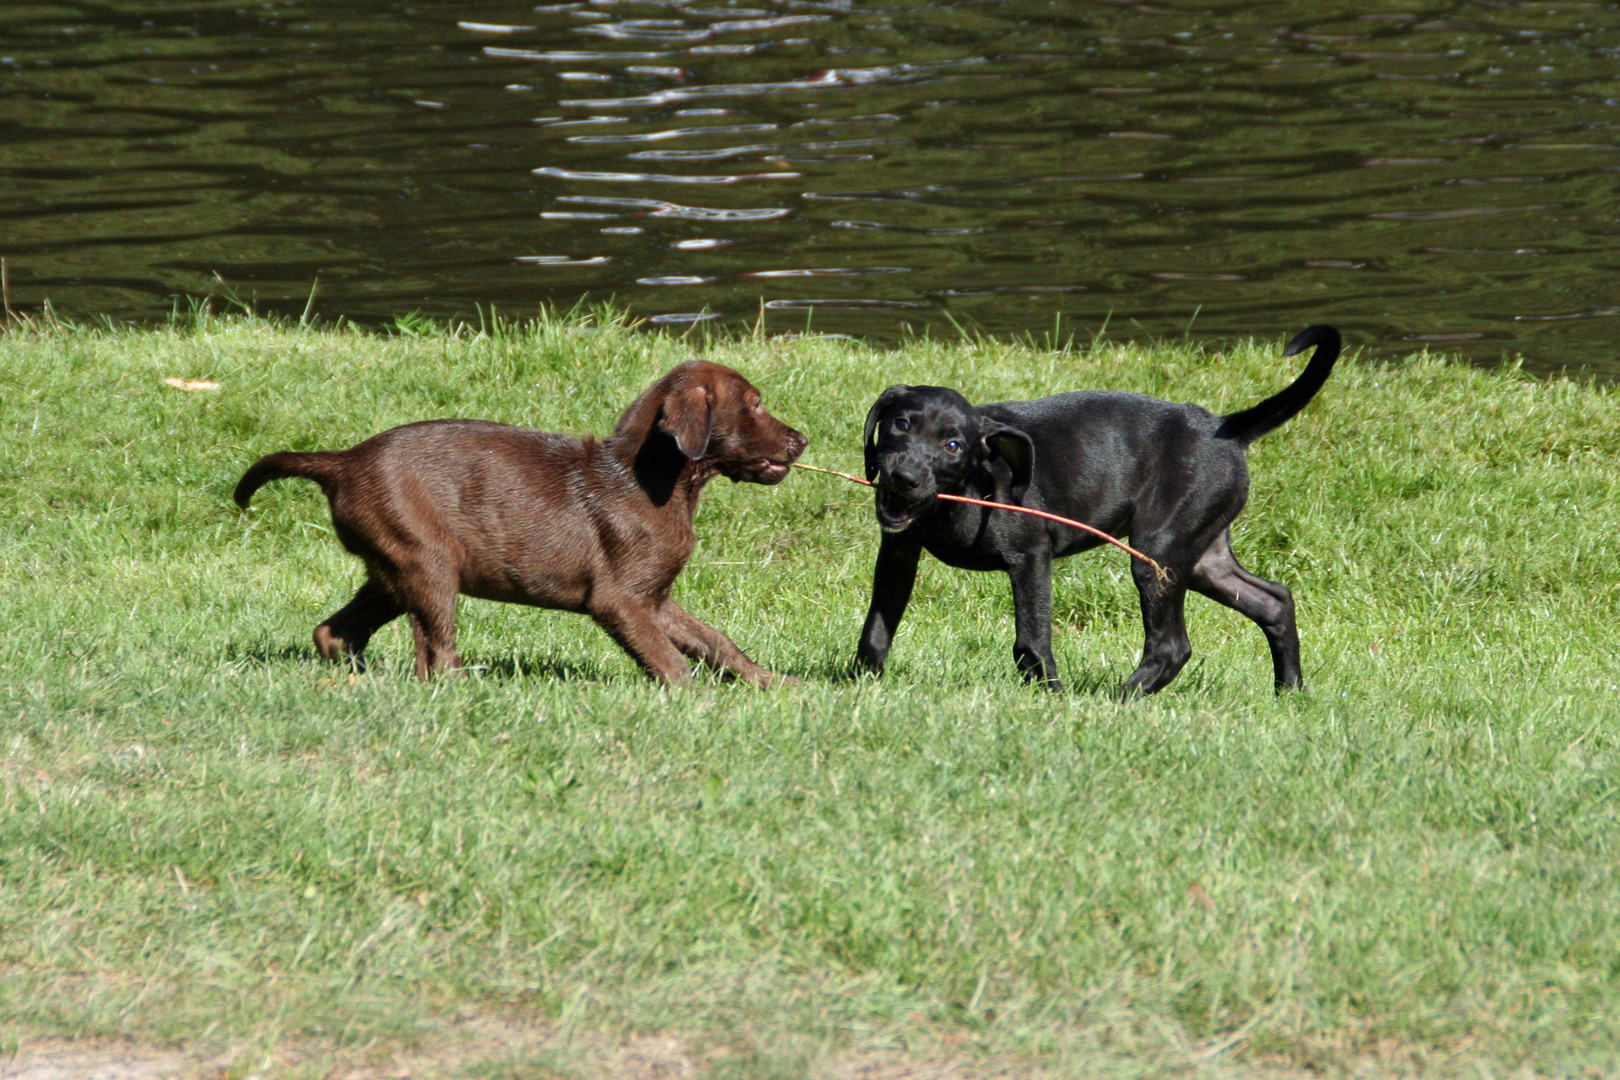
923 441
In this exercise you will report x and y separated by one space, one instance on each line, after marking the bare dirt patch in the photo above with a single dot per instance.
493 1048
540 1051
529 1052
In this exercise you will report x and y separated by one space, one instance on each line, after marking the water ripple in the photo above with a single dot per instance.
656 178
849 304
762 148
493 28
826 79
570 56
562 260
676 133
827 271
1436 176
661 209
679 30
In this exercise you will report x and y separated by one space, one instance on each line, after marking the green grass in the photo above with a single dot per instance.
208 837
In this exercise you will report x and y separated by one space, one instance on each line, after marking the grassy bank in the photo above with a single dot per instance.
207 837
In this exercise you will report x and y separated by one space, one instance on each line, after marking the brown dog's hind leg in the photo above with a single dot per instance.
428 595
433 626
343 636
709 646
1219 576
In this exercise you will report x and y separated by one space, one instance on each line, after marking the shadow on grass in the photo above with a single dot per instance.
261 654
531 667
504 668
1097 682
1093 682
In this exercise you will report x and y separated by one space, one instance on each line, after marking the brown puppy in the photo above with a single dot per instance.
601 527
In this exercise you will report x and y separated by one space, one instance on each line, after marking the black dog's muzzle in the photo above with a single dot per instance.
901 500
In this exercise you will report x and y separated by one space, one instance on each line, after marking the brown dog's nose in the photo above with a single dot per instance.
795 444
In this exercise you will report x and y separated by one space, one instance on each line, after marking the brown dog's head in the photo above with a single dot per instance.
714 418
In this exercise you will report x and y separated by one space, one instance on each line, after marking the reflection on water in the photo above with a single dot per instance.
1436 174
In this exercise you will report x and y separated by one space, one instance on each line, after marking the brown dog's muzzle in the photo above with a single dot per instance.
772 468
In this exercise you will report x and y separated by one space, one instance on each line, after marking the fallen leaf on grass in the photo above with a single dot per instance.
1196 891
191 386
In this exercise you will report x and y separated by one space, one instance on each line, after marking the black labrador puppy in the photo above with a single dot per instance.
1171 477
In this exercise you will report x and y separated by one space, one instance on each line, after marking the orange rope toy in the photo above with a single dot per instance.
1161 572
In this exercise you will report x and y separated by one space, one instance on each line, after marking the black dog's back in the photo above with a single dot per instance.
1147 417
1118 424
1172 477
1100 452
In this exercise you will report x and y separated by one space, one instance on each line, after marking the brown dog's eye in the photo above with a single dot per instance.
954 446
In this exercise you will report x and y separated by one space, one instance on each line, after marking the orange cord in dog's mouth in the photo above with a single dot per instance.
1159 571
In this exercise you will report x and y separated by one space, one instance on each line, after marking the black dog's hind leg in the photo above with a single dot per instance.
1165 647
1032 616
1219 576
892 581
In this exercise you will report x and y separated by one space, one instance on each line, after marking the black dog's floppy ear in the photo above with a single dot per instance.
1014 447
868 441
685 415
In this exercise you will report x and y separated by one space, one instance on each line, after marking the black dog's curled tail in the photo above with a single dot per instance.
321 467
1275 411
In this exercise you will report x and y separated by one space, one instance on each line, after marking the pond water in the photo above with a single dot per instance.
1437 173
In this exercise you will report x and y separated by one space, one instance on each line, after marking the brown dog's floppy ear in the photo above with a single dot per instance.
1016 448
873 414
685 416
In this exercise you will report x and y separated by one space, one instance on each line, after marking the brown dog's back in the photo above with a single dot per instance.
597 526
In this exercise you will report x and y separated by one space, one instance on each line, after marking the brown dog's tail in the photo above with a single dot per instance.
323 467
1272 413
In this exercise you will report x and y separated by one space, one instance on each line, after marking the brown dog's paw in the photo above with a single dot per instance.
332 648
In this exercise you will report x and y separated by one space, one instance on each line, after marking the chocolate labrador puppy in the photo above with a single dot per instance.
1171 477
597 526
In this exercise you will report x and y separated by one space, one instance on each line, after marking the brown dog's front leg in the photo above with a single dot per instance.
708 645
637 629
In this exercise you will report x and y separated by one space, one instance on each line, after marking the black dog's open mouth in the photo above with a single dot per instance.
896 512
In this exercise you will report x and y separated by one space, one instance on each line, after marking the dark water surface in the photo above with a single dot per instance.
1439 172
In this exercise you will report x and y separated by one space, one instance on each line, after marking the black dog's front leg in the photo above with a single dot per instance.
892 580
1032 615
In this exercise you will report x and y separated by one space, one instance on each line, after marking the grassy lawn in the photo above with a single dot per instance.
208 838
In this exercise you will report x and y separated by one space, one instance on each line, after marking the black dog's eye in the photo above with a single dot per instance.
954 446
902 424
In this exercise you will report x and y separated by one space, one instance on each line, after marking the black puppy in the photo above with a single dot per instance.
1171 477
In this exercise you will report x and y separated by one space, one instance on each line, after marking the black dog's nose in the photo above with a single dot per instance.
904 478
